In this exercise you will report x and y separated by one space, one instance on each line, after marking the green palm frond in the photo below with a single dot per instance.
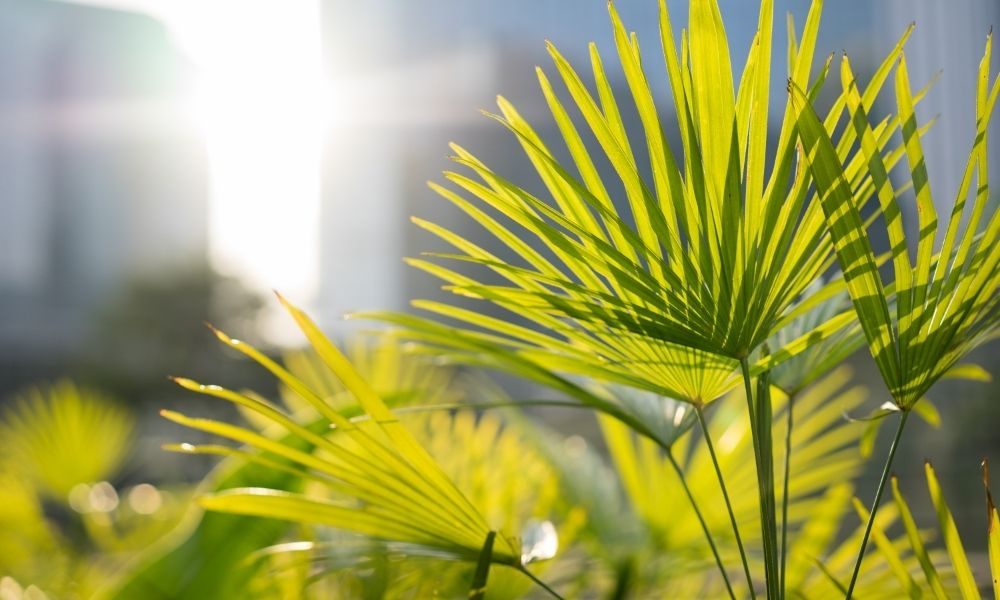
486 456
710 254
400 378
483 455
62 435
375 477
946 304
503 477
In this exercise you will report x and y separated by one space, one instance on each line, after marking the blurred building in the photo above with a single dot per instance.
102 173
948 42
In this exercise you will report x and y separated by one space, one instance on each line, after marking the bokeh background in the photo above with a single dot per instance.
168 162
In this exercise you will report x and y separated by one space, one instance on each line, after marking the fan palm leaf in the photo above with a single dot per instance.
503 477
516 487
707 259
946 305
62 435
381 482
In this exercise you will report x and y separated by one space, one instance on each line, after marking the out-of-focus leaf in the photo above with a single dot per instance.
992 532
928 412
966 581
968 371
206 556
917 544
59 436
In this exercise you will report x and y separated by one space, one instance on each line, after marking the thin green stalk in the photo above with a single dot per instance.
760 431
725 496
482 573
878 498
539 582
784 493
701 519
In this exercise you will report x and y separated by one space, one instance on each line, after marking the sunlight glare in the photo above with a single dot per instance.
261 103
261 99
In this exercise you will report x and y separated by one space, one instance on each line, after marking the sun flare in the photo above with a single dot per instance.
260 103
261 100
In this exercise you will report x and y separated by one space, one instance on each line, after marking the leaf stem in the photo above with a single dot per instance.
539 582
764 462
878 498
725 495
701 519
784 492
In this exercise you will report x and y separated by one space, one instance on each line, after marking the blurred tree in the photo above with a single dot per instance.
154 326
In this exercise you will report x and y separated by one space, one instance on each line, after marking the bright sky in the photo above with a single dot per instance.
261 100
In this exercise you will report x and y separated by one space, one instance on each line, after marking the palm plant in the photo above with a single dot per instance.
946 304
708 273
498 470
709 260
505 471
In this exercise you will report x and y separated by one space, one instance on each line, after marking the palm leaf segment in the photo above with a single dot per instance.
707 259
946 305
396 490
